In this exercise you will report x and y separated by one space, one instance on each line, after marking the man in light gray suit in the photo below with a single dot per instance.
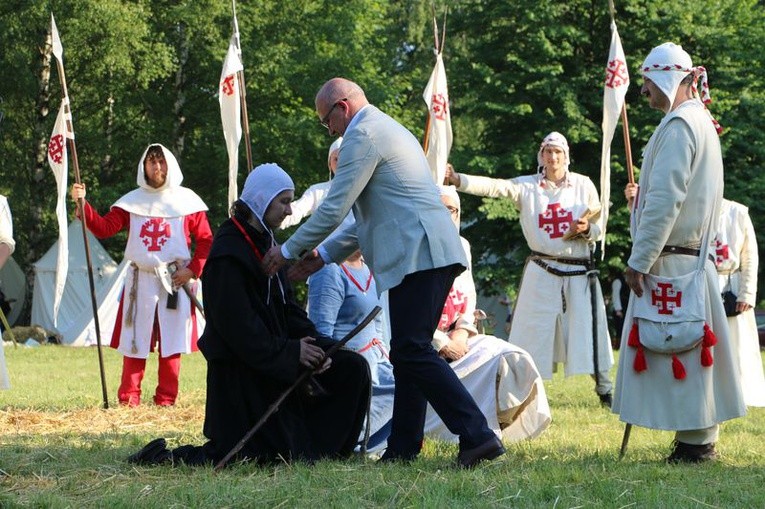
407 238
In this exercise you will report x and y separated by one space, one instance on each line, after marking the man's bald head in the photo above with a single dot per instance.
342 95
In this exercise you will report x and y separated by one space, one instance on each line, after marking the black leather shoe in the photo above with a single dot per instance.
690 453
488 450
393 457
606 399
153 453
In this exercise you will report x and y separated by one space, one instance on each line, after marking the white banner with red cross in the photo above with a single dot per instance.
439 134
57 158
230 113
615 88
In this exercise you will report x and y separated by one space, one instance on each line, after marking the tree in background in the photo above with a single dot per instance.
147 70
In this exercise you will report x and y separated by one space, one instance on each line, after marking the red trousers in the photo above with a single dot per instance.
133 369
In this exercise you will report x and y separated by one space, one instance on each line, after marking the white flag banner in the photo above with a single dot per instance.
57 158
58 50
616 84
439 134
230 114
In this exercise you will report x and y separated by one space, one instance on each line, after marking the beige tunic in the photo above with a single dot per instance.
681 184
553 315
737 260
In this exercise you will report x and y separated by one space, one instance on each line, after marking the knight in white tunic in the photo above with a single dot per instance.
678 201
156 309
553 316
737 261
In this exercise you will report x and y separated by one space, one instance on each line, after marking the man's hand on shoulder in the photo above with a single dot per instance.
306 266
273 260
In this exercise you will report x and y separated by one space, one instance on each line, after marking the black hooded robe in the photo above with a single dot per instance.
251 344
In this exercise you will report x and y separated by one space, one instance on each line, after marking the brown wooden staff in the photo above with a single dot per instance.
297 383
242 93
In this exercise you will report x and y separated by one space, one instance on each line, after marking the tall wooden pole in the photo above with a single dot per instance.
242 94
81 211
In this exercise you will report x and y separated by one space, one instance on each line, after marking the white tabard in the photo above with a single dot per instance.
152 242
552 319
737 260
681 183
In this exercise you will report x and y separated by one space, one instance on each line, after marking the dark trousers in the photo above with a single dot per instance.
421 375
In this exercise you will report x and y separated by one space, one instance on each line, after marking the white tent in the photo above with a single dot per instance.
13 283
75 317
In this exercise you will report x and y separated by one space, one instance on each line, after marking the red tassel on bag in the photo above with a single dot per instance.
706 356
677 368
640 363
709 337
634 337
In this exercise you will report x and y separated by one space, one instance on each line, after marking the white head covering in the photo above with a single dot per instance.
335 146
451 193
554 139
263 184
667 65
174 175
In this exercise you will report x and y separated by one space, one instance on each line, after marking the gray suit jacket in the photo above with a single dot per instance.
401 225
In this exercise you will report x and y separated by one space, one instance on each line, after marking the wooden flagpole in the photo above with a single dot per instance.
426 138
242 93
625 121
81 211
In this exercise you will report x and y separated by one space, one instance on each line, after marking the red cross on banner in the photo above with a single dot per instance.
439 106
555 221
666 299
227 86
616 73
155 233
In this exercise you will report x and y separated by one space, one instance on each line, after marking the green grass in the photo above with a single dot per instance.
59 448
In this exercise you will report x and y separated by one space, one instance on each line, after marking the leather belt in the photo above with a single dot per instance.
681 250
684 251
567 261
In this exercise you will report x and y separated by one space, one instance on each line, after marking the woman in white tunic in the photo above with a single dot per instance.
501 377
737 260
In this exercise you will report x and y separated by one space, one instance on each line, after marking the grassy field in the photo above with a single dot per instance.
59 448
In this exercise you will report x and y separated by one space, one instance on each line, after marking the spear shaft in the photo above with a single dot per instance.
81 212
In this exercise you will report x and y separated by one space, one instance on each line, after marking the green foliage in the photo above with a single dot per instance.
147 71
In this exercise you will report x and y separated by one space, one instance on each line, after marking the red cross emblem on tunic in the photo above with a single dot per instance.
154 233
616 74
455 305
227 86
555 221
56 148
722 252
666 299
439 106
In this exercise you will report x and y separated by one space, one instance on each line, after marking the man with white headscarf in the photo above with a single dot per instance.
258 341
676 209
553 318
161 218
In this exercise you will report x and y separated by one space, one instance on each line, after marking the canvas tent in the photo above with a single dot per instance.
75 318
13 283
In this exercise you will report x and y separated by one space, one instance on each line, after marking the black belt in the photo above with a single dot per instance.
558 272
684 251
681 250
567 261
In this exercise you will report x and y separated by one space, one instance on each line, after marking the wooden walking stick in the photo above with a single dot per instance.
8 328
302 378
58 53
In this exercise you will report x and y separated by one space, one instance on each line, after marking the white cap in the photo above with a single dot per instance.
554 139
263 184
667 65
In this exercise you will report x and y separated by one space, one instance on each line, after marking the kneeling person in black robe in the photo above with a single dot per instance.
258 341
